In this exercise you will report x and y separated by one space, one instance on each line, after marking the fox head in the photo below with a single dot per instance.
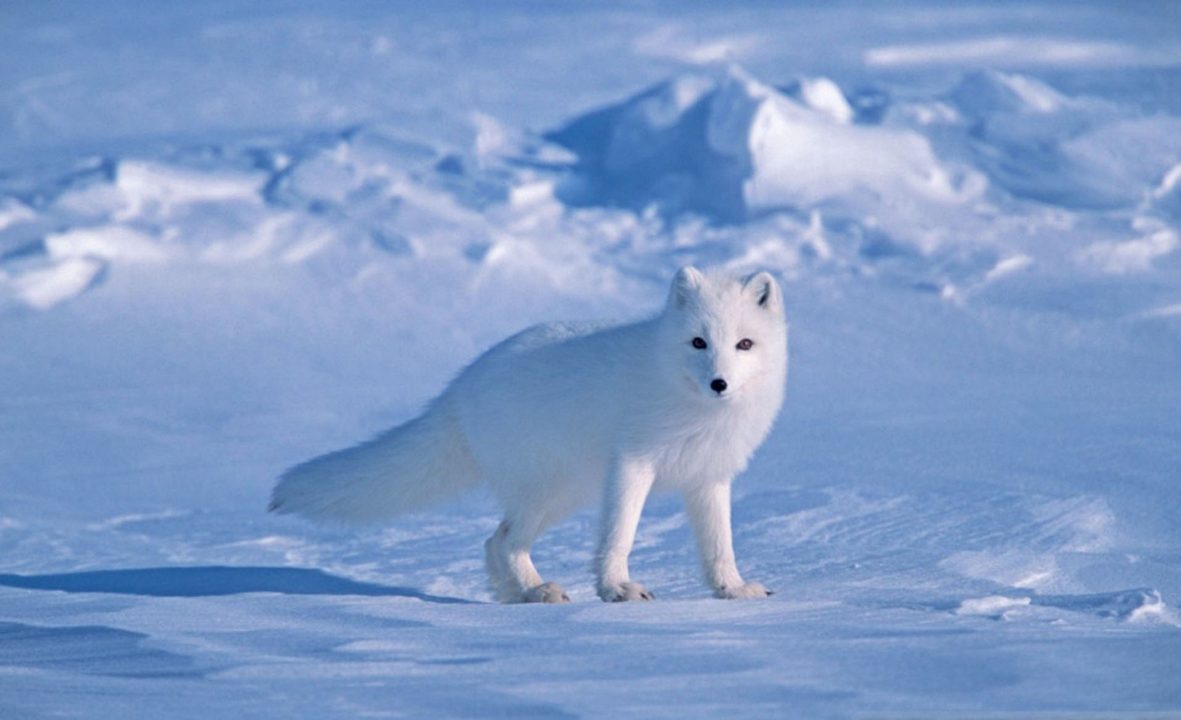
726 336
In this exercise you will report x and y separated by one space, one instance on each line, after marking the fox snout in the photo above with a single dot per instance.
718 385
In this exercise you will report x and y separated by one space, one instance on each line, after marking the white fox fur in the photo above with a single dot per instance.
567 414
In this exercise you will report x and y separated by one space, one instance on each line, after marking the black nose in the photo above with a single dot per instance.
718 385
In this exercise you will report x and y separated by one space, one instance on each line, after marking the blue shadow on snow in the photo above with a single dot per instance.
214 580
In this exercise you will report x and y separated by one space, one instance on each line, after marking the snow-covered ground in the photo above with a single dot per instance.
233 237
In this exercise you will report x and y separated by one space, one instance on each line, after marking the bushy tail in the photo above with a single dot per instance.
404 469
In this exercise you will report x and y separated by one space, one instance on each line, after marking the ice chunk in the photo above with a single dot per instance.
46 287
989 91
994 606
1136 255
14 212
107 242
157 187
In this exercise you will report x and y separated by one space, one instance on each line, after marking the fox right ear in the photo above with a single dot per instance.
685 286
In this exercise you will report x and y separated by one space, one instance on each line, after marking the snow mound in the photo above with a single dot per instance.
109 242
1038 144
14 212
994 606
976 193
49 286
95 650
1137 605
730 146
351 205
987 92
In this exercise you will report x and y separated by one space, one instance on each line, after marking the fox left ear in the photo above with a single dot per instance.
763 288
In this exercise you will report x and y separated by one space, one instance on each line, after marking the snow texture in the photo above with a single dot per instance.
234 237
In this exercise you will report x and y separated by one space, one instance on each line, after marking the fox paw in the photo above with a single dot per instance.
549 592
749 590
625 591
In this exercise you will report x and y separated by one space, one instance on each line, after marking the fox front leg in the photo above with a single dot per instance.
624 496
709 511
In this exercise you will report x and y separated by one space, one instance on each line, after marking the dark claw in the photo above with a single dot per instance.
646 595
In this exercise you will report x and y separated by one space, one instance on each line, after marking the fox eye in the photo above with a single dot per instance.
745 344
700 343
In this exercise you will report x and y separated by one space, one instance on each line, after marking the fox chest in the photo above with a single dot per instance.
705 454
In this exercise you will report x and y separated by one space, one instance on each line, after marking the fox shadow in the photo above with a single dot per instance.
208 581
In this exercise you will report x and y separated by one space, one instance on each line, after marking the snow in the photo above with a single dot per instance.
43 288
233 238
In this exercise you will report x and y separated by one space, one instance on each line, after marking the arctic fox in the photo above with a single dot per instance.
566 414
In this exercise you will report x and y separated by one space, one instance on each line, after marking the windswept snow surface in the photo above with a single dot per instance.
232 238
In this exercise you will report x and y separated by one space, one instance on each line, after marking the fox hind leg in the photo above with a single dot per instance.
511 573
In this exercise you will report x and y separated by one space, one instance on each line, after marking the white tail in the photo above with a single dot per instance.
407 468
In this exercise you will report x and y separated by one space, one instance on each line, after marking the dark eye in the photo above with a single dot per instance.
745 344
700 343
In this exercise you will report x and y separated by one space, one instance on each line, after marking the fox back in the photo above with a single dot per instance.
696 388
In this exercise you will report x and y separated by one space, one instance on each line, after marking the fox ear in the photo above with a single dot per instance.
765 291
685 286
